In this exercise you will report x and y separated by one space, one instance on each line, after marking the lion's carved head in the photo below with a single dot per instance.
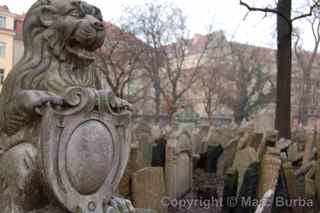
69 26
55 32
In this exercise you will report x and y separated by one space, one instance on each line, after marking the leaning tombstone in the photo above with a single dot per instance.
248 189
270 171
226 159
244 158
59 118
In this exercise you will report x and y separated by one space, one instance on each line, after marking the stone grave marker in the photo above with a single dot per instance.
270 168
243 159
179 164
148 189
143 134
267 202
135 163
264 120
226 159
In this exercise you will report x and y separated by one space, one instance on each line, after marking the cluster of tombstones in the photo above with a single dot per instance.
254 164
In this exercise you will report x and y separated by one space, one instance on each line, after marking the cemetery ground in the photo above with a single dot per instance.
189 168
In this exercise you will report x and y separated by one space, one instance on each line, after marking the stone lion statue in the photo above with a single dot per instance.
60 37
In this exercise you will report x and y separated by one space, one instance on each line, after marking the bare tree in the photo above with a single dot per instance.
305 62
283 11
248 82
119 61
165 56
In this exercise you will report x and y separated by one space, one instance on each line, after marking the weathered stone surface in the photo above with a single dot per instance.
267 202
142 133
291 180
244 158
248 189
270 139
221 136
227 157
135 163
304 168
270 167
60 124
256 140
293 152
310 184
308 147
198 140
148 189
179 168
283 144
264 120
145 211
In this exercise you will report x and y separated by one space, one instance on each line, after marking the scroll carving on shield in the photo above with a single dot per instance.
83 152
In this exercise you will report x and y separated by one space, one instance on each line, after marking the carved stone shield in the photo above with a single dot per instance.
83 153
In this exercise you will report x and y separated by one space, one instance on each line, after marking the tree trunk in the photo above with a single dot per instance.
157 96
283 104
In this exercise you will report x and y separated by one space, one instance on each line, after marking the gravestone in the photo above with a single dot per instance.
248 189
220 136
310 184
142 133
293 152
264 120
179 168
187 117
265 206
291 180
148 189
227 157
198 140
243 160
135 163
270 169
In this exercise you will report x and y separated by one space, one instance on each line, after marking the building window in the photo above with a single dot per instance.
2 49
1 76
2 21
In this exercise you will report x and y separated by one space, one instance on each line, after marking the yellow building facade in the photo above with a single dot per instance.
7 33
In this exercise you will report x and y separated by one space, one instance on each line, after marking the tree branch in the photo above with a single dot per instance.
266 10
315 5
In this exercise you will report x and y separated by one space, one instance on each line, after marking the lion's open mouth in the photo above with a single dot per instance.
74 47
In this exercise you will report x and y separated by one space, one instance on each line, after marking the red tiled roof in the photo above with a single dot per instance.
4 8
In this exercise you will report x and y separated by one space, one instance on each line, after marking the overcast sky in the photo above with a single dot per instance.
226 15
